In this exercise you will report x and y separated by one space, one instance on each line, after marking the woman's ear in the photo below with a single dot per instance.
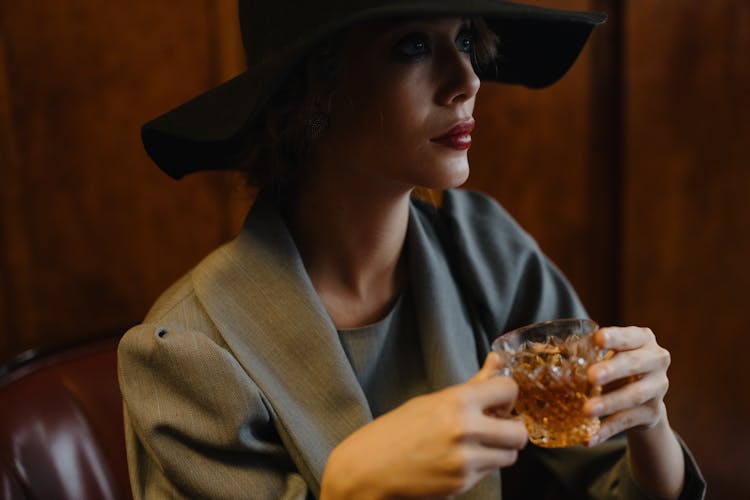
321 80
321 68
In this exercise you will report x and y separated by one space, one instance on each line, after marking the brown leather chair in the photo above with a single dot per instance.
61 432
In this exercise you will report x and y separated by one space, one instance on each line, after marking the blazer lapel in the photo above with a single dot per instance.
446 333
448 343
258 294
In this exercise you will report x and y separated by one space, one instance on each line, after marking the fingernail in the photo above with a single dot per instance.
603 336
607 335
599 375
595 408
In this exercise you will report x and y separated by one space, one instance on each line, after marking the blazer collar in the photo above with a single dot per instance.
447 336
258 294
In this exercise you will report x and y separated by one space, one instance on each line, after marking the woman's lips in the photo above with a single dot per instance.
459 137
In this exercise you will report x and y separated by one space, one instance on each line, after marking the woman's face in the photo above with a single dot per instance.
403 98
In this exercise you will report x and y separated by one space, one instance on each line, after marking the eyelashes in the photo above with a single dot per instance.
465 42
418 45
413 45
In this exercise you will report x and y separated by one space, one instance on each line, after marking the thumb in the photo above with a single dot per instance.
492 367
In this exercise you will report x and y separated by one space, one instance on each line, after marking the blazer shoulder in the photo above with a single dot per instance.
479 213
179 308
499 265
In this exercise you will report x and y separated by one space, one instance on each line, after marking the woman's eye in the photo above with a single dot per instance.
465 42
414 45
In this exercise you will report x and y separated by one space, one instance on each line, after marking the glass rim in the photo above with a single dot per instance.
505 337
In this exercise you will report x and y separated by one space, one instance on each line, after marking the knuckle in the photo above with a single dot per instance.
605 431
460 397
507 458
640 394
456 486
453 464
626 422
606 405
460 428
664 386
665 357
649 415
453 481
653 411
521 441
459 469
520 435
461 465
650 334
508 386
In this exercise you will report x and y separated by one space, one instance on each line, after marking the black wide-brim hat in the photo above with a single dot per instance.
537 47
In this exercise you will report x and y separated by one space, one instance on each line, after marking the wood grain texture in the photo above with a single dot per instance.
631 174
535 152
15 304
93 231
687 220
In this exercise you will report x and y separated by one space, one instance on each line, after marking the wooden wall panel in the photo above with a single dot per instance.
538 153
646 216
92 231
12 249
687 220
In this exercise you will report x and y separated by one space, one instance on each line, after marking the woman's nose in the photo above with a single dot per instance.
459 81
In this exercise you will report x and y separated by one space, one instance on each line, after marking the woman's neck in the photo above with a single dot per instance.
351 243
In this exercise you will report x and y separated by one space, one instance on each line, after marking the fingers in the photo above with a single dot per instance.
507 433
487 459
642 416
627 363
489 390
497 393
623 338
635 379
652 387
495 442
492 367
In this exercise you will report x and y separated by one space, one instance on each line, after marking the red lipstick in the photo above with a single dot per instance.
458 137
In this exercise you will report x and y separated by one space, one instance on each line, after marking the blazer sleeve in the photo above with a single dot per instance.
196 425
509 283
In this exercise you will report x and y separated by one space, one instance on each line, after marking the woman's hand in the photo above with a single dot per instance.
435 445
634 381
634 384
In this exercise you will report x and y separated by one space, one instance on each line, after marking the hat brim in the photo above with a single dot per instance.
537 47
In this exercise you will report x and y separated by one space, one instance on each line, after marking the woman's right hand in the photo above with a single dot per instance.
435 445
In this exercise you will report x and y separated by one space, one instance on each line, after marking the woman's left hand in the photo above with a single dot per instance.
634 382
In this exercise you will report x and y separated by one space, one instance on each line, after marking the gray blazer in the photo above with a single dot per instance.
236 384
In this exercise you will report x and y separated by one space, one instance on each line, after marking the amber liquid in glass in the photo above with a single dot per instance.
553 388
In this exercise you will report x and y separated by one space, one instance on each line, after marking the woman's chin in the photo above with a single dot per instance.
451 176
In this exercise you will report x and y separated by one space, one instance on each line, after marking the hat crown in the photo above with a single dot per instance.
538 45
272 28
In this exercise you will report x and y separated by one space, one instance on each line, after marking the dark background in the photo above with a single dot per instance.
632 173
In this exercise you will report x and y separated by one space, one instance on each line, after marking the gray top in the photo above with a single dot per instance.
387 360
386 357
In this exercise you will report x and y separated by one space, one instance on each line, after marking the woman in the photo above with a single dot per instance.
333 348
